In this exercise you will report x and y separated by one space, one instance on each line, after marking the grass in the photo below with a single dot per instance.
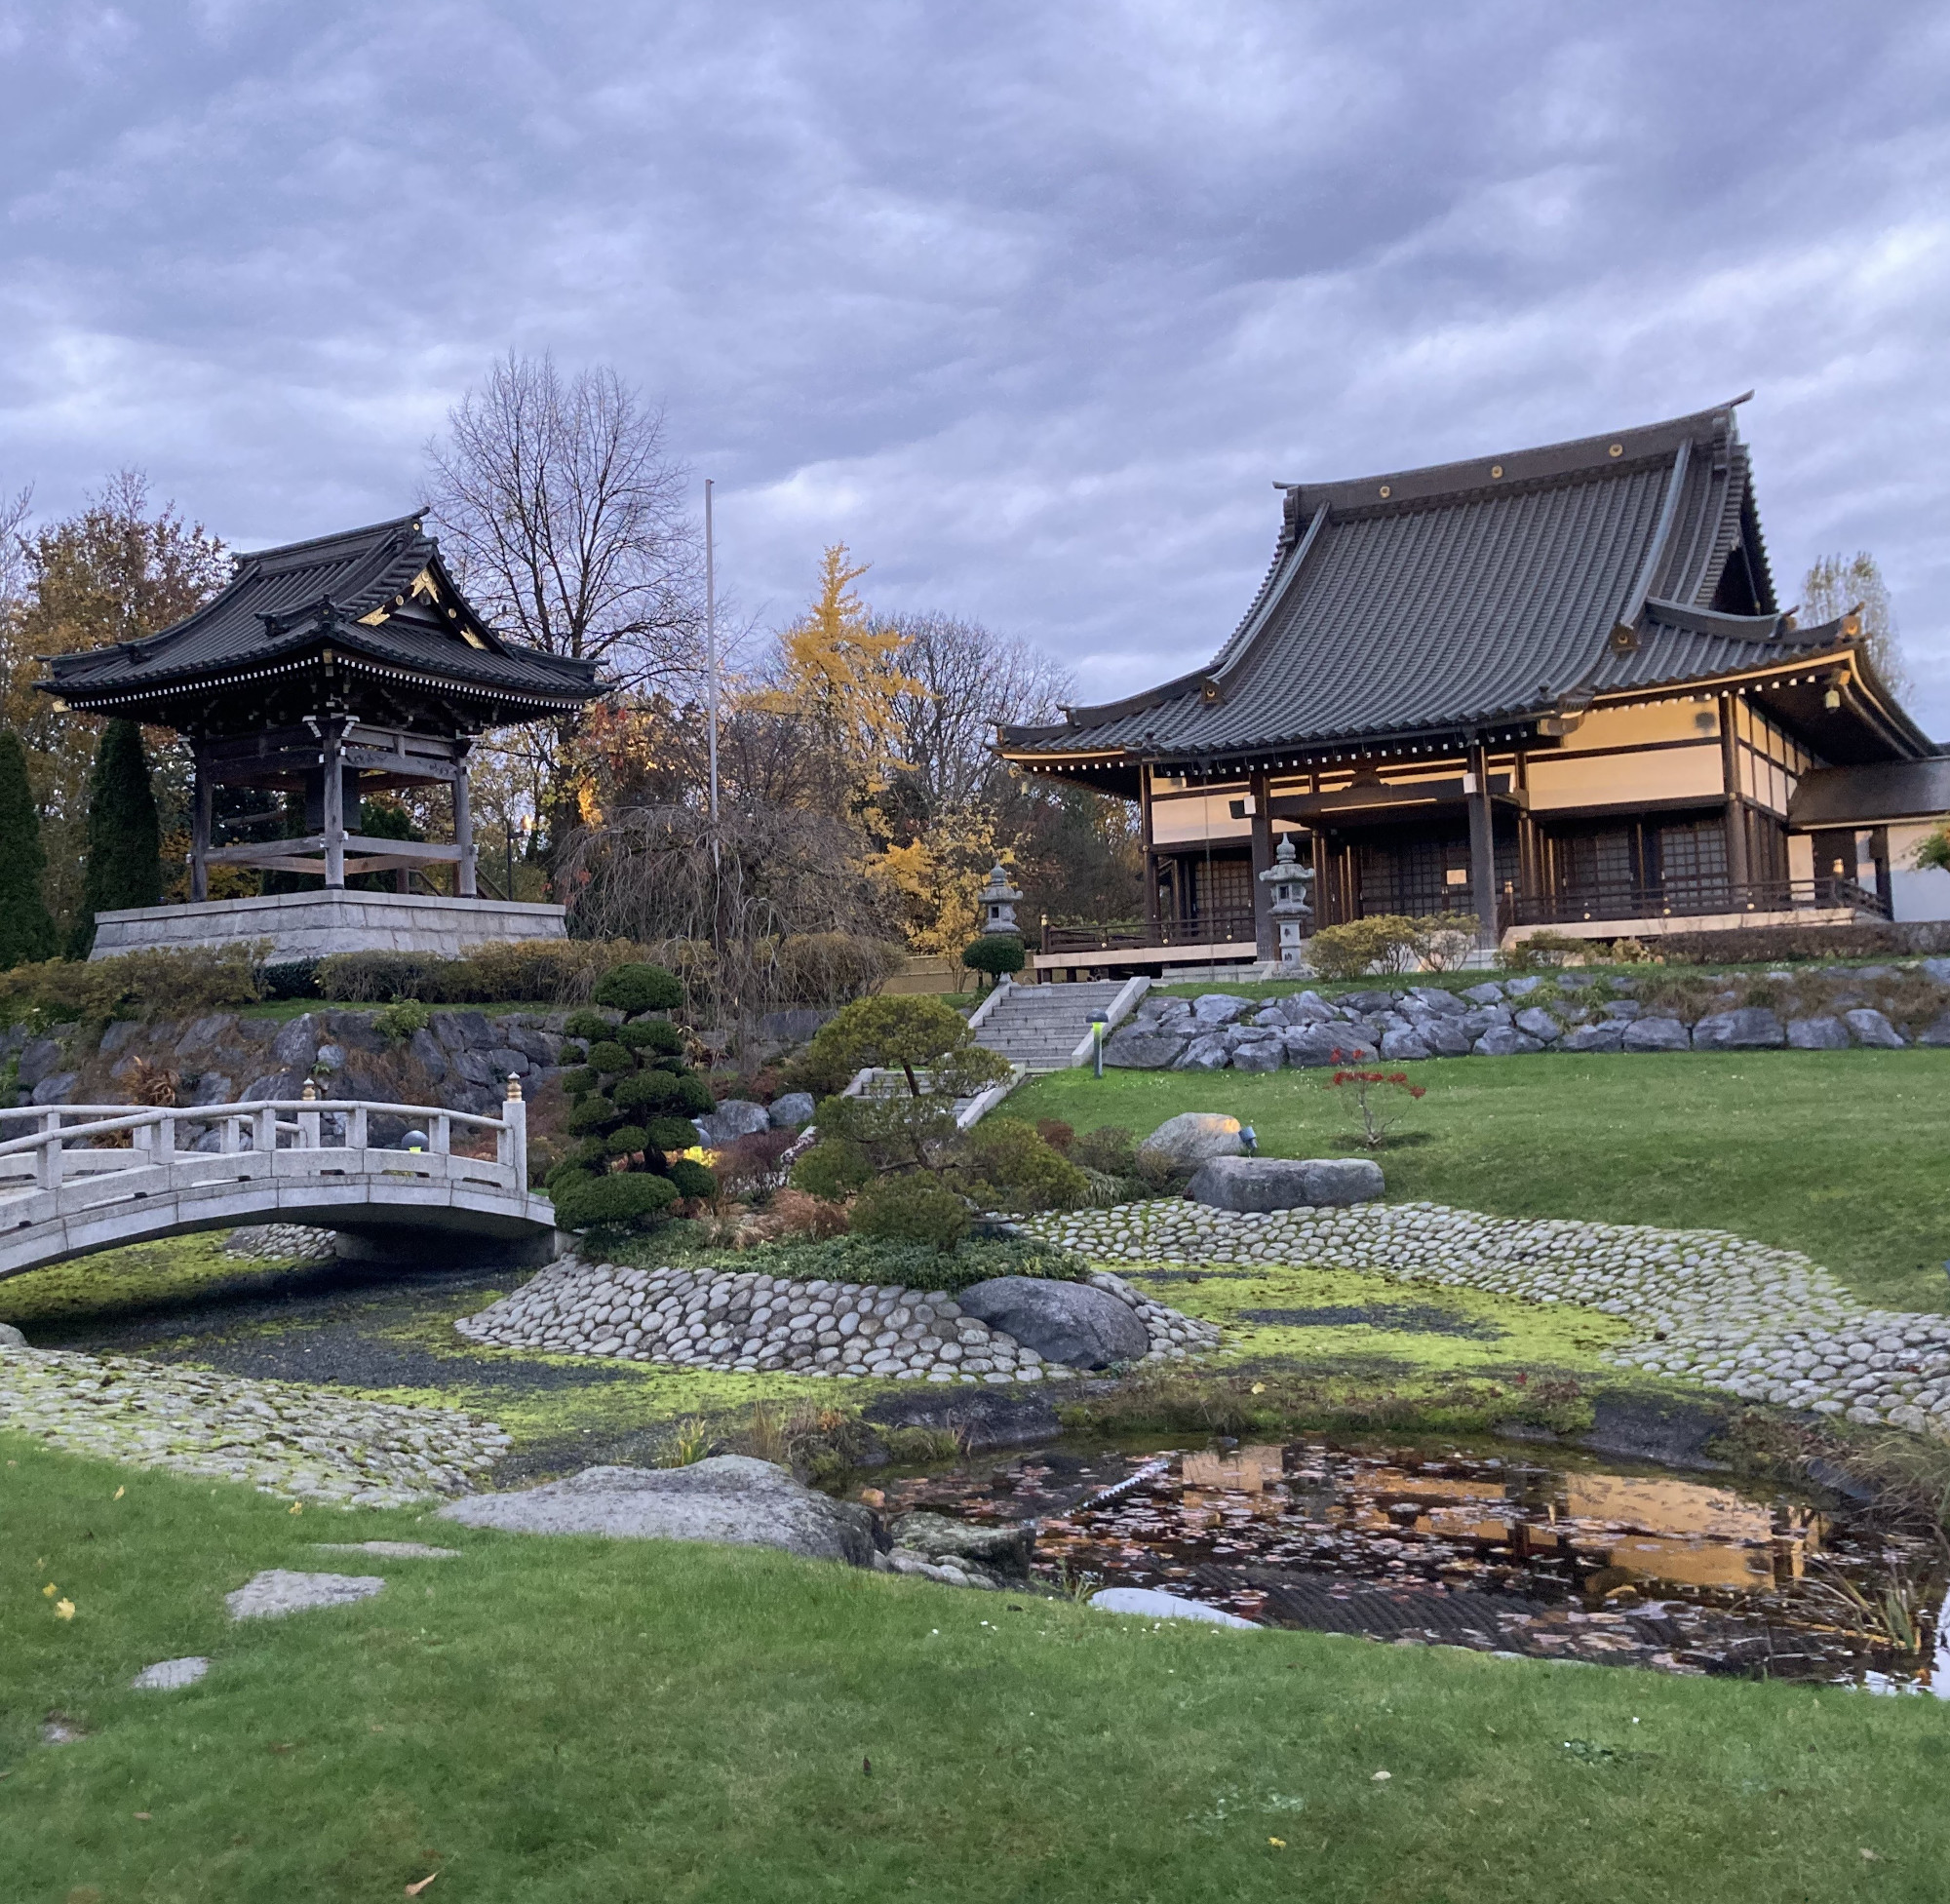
555 1719
1837 1153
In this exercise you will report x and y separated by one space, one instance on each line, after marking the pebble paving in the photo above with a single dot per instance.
754 1323
1767 1324
282 1438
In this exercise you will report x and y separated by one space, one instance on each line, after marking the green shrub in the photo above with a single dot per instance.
125 835
148 985
590 1026
634 988
588 1114
824 968
611 1058
1543 951
911 1209
693 1179
1007 1156
994 953
621 1200
1387 943
684 1093
581 1082
1109 1149
401 1019
834 1169
291 978
657 1035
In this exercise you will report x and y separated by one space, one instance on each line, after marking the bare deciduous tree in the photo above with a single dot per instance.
1835 585
967 680
565 513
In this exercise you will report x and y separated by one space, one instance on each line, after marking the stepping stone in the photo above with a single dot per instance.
387 1549
274 1593
1148 1604
167 1674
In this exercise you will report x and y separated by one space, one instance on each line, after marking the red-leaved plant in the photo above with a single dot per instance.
1383 1098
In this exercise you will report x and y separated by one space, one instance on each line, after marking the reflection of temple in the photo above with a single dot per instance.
330 671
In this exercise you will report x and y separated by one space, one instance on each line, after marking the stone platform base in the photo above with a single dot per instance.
312 924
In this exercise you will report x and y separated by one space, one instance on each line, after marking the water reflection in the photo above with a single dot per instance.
1484 1550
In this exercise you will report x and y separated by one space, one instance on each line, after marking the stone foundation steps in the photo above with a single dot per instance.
1040 1027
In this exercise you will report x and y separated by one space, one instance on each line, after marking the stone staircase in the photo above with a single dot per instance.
1040 1026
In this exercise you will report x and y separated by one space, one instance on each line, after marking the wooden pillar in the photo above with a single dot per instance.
202 803
1266 930
1482 844
334 790
1738 873
1147 847
463 832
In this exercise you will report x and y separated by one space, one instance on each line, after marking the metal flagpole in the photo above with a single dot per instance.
711 653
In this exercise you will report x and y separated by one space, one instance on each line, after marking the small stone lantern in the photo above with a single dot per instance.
998 902
1289 880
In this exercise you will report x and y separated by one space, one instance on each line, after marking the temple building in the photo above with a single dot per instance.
330 670
1551 688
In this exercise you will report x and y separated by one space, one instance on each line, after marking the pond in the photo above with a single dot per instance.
1496 1550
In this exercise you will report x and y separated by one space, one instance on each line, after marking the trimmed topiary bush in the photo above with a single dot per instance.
588 1026
612 1059
124 837
1015 1169
657 1035
635 989
693 1179
622 1200
28 932
995 954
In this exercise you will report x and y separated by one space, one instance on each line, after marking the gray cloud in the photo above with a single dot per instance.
1029 305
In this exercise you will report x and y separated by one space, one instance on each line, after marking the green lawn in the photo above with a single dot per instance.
556 1719
1839 1153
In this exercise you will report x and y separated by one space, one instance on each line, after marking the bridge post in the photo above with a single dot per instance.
512 1146
356 1136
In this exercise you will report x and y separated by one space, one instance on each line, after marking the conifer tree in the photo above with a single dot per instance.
124 838
27 932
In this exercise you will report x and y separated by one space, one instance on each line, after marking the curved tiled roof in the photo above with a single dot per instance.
283 601
1442 601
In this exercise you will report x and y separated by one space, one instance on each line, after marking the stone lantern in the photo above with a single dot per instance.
1289 880
998 903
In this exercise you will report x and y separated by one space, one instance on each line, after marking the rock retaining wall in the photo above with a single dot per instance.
1767 1324
1504 1017
317 1444
757 1324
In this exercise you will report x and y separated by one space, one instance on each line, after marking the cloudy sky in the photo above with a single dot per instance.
1029 305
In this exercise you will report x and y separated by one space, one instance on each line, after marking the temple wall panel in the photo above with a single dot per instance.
1658 720
1667 773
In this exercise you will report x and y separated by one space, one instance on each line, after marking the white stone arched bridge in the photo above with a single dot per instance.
95 1176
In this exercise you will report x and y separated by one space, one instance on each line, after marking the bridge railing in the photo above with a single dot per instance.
330 1137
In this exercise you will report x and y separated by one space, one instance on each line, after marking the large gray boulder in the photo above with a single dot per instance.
731 1499
1073 1323
1206 1054
1608 1036
1298 1008
1656 1035
1536 1022
1505 1041
1437 998
1144 1047
1250 1184
1447 1037
1003 1549
793 1111
11 1337
1317 1046
1937 969
1404 1046
734 1118
1258 1055
1750 1028
1218 1007
1489 993
1365 1003
1824 1034
1872 1027
58 1087
1185 1141
1938 1034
